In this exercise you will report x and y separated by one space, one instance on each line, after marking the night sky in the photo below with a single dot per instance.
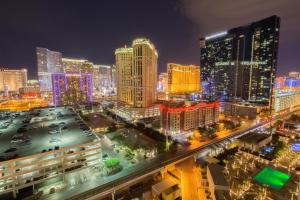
93 29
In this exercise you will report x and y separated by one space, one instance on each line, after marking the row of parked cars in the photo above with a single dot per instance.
85 129
20 138
60 128
5 124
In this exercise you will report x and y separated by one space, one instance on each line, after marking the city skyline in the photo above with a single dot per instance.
173 99
176 36
242 62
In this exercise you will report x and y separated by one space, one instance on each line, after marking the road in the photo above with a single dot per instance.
96 188
190 179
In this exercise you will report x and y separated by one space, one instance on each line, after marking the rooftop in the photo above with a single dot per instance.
97 121
38 130
74 60
216 172
206 160
222 195
254 137
163 186
181 106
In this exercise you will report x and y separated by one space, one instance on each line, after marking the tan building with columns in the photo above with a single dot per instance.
137 73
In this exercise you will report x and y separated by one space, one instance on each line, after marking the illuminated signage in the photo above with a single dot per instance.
224 63
253 63
216 35
242 63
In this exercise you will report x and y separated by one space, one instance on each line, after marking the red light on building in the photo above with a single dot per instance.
280 82
174 109
180 117
30 95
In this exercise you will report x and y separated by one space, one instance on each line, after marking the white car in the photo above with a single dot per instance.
53 131
87 133
16 141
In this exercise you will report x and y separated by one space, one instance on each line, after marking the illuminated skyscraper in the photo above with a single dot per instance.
240 64
144 72
103 79
74 65
12 80
137 74
162 84
48 62
183 78
114 77
124 75
72 88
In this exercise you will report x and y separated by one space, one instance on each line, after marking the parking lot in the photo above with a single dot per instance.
40 130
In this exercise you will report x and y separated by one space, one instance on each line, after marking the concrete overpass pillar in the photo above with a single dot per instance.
195 157
113 194
162 173
14 194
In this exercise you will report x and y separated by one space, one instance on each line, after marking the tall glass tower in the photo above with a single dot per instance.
48 62
240 64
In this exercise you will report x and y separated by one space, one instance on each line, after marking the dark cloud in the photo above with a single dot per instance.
216 15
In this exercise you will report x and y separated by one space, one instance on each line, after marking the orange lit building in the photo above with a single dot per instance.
23 104
136 69
178 117
183 79
12 79
137 73
30 92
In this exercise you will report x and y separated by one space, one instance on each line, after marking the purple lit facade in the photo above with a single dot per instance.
72 88
292 82
295 146
287 82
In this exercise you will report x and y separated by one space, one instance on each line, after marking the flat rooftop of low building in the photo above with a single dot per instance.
216 172
246 104
97 121
178 103
254 137
30 132
163 186
222 195
207 160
